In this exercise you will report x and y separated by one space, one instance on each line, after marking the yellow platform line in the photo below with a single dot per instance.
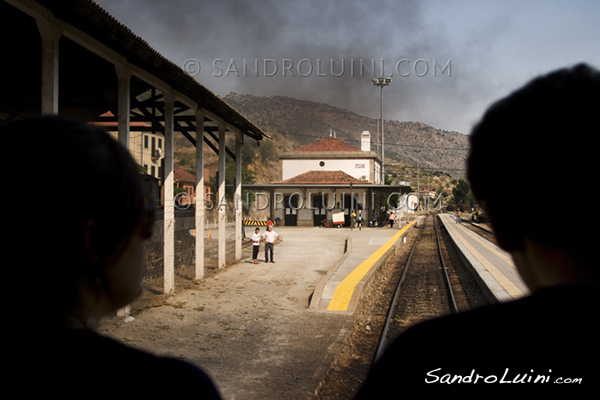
345 289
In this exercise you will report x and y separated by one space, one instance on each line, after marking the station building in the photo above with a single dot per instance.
326 177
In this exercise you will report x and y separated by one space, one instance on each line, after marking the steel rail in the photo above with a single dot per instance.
385 329
450 291
384 332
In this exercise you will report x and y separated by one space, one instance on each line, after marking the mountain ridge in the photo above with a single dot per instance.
297 122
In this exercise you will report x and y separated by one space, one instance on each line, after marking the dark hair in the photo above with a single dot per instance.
75 173
531 156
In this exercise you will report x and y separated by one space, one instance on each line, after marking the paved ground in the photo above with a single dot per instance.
249 326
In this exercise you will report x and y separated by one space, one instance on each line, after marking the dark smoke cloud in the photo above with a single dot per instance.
289 31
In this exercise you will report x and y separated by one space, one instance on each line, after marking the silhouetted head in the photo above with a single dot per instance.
79 214
532 161
532 155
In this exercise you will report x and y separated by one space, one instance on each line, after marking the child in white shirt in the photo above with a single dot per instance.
256 244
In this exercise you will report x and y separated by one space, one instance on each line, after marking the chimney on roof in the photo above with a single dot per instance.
365 141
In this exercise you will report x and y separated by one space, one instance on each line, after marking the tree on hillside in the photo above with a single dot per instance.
461 194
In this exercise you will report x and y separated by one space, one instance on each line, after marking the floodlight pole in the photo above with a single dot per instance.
381 82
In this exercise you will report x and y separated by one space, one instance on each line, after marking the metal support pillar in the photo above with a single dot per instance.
169 203
50 34
124 101
222 211
123 109
200 205
238 203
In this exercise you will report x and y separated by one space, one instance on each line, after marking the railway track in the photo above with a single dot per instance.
412 286
428 285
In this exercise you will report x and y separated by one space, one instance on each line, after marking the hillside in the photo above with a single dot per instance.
293 123
305 121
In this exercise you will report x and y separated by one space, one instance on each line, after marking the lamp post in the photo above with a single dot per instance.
418 174
381 82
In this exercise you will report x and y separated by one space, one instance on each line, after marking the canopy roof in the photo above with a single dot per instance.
92 44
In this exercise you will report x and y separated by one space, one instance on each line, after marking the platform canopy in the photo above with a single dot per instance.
94 50
73 59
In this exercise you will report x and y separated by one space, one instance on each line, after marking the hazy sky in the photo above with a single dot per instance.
448 59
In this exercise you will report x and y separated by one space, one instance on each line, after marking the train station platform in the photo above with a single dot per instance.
366 249
492 266
264 330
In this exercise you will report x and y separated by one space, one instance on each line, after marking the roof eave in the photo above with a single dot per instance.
106 29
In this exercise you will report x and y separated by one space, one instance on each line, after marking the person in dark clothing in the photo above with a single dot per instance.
549 339
81 248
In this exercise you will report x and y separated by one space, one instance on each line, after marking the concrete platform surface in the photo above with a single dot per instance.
493 266
251 327
367 249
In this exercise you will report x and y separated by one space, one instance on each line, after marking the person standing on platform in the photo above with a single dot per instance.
549 336
269 238
391 219
255 245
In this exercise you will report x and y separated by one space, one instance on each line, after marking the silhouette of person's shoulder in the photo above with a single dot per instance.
550 334
79 358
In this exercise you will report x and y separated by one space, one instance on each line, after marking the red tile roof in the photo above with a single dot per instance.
183 176
322 177
328 144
